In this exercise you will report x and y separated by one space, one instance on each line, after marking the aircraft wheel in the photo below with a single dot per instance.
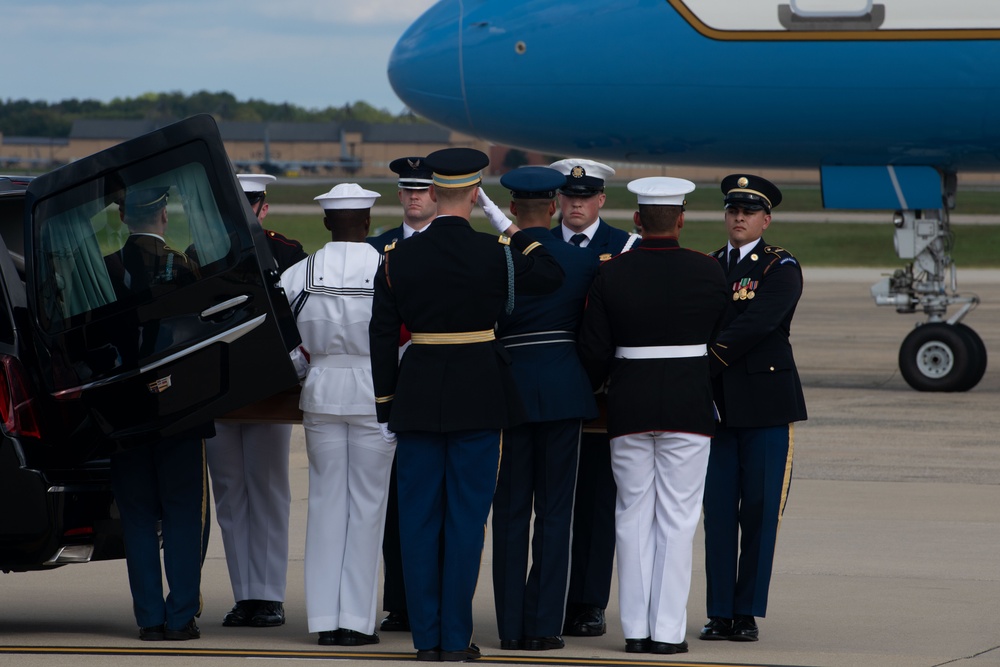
978 368
938 357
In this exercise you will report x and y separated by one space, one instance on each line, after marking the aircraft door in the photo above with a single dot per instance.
151 310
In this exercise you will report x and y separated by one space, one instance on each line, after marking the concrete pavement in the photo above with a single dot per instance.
888 555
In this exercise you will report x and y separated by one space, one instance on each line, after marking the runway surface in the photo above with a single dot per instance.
889 551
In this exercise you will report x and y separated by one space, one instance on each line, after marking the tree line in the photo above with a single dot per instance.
25 118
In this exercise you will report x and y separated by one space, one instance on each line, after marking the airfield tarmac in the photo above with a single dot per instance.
888 555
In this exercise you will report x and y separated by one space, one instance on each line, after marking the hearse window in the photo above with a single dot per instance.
126 238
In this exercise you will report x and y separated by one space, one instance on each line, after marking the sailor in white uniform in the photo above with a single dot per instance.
349 457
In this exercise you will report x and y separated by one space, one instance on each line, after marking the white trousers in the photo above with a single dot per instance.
661 481
249 468
349 466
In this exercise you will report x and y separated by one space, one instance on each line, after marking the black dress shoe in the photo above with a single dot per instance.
269 613
328 637
396 621
240 614
717 628
153 633
638 645
745 629
542 643
588 623
510 644
355 638
429 655
465 655
666 648
189 631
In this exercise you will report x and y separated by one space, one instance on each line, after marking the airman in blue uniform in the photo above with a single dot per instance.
538 465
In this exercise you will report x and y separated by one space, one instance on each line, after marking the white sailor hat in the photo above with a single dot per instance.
661 190
347 196
584 178
255 182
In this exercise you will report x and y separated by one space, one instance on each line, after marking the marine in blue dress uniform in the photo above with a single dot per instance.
580 200
413 190
451 395
759 396
539 460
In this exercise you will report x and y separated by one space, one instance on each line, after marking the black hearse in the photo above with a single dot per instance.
87 367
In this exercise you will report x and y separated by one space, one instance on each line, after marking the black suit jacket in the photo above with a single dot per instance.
755 380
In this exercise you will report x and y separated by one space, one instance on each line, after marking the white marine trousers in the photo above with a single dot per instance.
248 464
661 481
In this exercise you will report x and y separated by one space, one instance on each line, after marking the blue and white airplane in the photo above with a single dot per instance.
890 100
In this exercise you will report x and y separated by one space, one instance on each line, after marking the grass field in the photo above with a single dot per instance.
815 244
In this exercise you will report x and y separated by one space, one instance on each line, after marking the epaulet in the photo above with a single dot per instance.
391 246
281 238
781 256
503 240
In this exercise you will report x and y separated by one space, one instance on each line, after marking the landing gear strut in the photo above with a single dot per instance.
939 354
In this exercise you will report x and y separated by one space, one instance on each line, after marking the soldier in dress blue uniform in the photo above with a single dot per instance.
164 481
653 344
580 200
413 190
451 395
758 393
538 465
249 468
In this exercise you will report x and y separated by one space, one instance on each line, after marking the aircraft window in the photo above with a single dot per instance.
126 238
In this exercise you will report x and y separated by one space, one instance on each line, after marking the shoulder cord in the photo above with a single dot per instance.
510 280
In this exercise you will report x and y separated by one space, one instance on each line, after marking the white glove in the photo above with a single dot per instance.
387 435
493 213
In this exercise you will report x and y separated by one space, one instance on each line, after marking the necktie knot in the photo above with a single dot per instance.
577 239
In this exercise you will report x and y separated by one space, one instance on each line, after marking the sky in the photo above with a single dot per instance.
309 53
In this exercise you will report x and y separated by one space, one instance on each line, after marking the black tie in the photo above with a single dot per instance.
734 258
577 239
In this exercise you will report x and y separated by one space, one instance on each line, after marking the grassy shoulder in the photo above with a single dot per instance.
815 244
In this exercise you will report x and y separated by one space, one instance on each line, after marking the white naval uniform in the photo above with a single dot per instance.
249 468
349 460
661 481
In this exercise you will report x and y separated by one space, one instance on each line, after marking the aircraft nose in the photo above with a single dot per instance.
425 69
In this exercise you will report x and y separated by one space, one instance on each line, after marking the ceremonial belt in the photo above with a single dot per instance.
662 352
452 337
538 338
340 360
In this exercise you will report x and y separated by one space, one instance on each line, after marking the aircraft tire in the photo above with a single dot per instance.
938 357
978 368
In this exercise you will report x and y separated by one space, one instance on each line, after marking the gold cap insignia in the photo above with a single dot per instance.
743 182
577 172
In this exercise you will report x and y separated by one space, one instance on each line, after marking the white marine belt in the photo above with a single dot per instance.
662 352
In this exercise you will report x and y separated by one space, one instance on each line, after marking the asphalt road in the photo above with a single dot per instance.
888 555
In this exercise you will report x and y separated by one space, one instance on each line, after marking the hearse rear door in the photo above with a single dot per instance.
151 288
